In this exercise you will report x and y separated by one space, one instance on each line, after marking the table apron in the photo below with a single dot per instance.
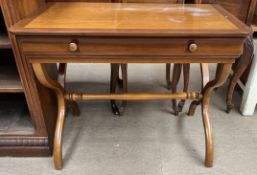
124 60
130 49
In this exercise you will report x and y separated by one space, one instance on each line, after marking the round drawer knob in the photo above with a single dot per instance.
193 47
73 47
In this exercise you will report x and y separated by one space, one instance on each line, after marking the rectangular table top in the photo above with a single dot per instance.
134 18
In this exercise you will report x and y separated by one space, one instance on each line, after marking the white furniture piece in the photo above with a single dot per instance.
250 90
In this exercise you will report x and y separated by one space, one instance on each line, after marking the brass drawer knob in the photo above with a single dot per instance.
73 47
193 47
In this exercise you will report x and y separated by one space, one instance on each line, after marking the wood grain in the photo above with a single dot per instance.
41 115
134 96
239 8
113 47
133 16
128 33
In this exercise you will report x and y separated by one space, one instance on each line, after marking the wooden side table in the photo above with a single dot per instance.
110 33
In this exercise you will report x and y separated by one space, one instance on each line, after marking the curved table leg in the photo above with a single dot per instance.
72 105
123 83
243 62
168 67
120 81
113 81
124 71
174 83
175 79
193 106
205 79
186 74
223 72
45 80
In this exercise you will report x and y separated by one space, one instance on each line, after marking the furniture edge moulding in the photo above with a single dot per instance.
24 146
35 94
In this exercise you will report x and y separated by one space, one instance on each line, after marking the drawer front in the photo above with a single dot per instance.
144 47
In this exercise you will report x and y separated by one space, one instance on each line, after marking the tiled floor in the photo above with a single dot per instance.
148 139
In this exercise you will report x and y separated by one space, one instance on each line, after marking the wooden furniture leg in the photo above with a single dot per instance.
205 79
123 83
168 67
186 74
72 105
45 80
223 72
250 93
124 71
120 79
174 83
113 80
243 62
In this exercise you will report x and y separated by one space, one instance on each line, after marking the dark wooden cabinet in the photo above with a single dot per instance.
14 116
24 130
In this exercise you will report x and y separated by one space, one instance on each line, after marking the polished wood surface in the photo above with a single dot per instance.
242 9
115 16
46 80
117 47
133 96
177 70
16 10
223 72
